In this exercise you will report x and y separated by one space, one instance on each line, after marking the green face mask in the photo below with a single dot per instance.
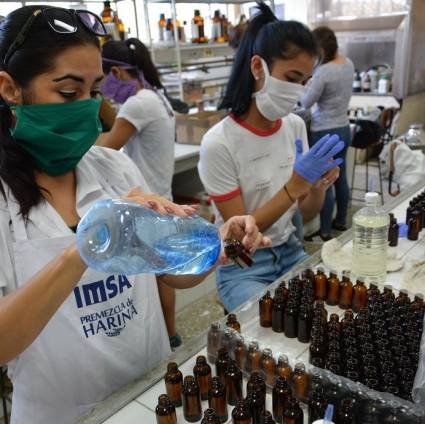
57 135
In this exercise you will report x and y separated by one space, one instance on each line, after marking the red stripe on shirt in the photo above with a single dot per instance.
262 133
226 196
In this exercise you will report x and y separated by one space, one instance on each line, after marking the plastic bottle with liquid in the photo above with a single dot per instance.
121 237
370 241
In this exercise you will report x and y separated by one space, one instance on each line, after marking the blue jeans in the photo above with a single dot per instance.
342 191
236 285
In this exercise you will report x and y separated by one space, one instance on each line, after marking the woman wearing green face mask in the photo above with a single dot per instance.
69 335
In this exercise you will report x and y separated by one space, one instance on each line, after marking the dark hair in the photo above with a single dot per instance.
271 39
327 41
35 57
135 53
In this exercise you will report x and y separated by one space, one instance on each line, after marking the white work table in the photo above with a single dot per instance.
366 100
135 403
186 157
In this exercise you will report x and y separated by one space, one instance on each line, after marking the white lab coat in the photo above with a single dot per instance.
109 330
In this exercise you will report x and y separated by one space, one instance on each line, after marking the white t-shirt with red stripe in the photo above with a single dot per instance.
237 159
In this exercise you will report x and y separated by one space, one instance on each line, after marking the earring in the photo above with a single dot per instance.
257 78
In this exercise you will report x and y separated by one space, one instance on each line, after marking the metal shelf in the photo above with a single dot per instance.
202 1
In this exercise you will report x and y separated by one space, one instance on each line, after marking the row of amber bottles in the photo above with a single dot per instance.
415 216
379 347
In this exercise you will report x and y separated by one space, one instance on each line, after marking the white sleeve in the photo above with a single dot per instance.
7 270
217 169
134 110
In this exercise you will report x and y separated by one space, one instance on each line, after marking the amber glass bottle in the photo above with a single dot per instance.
165 411
233 383
413 229
290 319
317 405
278 311
333 289
192 409
304 323
359 295
241 414
256 382
213 341
300 380
334 324
320 285
257 405
283 368
268 365
240 352
253 358
267 418
373 292
388 293
210 417
346 292
266 307
174 384
280 398
393 231
232 322
202 373
348 320
346 412
222 363
217 399
293 414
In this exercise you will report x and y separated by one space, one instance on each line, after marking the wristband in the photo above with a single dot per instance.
287 192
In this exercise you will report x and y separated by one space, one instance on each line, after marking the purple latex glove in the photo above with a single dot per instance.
319 159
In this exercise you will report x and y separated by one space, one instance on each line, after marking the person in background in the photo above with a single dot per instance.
331 88
256 160
70 335
145 128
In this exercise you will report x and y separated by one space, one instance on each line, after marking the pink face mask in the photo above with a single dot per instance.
120 90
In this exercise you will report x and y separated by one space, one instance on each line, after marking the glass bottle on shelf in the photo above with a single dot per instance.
241 414
239 352
210 417
304 323
217 399
253 358
300 380
213 341
333 289
216 34
174 384
162 23
232 322
222 363
280 398
106 14
268 365
192 408
169 30
320 284
233 379
278 310
346 293
283 368
290 320
266 307
202 373
293 414
359 295
165 411
198 33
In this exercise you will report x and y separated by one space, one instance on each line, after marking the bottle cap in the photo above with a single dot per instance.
372 198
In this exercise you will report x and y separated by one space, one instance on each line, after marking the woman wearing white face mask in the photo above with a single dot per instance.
256 160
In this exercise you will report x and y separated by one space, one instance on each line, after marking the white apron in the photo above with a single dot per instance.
109 331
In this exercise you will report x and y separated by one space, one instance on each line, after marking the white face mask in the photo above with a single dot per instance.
277 98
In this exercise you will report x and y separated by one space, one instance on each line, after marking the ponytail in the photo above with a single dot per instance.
134 53
271 39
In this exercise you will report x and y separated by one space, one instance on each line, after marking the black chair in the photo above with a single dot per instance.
367 137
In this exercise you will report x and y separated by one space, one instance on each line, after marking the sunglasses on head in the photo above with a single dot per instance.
62 21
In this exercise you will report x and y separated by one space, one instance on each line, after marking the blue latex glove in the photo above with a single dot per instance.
319 159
